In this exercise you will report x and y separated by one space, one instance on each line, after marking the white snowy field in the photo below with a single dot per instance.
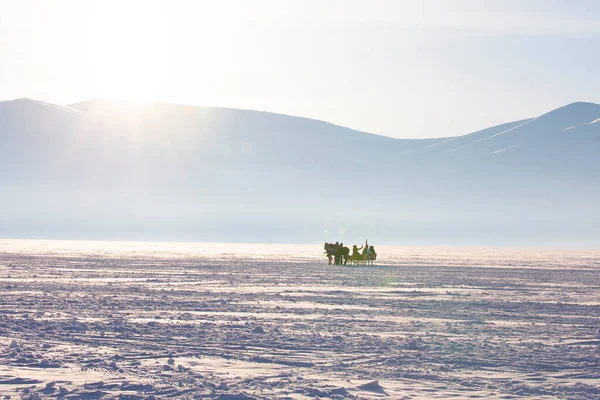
182 320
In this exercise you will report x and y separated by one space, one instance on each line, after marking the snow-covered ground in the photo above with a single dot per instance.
157 320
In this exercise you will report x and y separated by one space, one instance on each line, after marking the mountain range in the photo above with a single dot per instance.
110 170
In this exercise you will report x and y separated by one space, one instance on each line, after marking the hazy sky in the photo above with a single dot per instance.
399 68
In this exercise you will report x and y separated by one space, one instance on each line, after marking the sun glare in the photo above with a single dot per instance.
141 50
129 49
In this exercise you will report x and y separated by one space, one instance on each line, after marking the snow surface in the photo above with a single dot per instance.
494 135
501 150
185 320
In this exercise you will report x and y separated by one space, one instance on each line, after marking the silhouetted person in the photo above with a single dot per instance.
356 253
371 255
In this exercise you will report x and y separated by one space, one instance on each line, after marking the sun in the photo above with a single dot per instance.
129 51
143 50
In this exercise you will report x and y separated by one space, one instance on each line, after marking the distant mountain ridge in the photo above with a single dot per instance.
101 168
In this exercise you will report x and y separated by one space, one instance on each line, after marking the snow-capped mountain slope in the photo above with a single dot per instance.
101 167
544 130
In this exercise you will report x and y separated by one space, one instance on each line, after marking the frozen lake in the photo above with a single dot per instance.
232 321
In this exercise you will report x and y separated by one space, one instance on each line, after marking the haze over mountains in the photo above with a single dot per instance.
103 169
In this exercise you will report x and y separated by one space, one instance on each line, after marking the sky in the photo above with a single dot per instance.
399 68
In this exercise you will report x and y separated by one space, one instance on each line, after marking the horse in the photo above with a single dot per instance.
343 253
338 252
329 251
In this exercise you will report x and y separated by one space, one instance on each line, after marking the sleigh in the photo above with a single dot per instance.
362 259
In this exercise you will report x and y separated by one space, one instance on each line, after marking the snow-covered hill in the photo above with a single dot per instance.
163 171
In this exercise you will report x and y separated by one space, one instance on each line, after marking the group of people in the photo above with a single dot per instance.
340 254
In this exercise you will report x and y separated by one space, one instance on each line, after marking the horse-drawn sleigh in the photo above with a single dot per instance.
362 258
340 254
